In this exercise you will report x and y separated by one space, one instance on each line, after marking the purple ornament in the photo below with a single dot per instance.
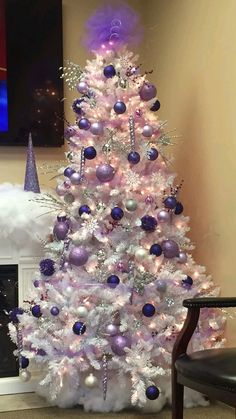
109 71
170 249
54 311
79 328
31 175
96 128
82 87
149 223
113 281
163 216
147 131
117 213
182 257
84 209
68 172
170 202
179 208
112 329
90 153
119 343
187 282
84 124
36 283
105 172
152 393
149 200
23 362
161 285
41 352
14 314
147 92
47 267
36 311
119 107
152 154
134 157
75 178
67 184
76 106
69 132
65 266
156 106
60 230
78 256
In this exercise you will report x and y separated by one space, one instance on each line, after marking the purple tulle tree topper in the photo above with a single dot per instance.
112 26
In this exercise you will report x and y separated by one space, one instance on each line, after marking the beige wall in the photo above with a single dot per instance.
191 46
192 49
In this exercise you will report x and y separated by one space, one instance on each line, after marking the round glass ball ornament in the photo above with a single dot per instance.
105 172
68 172
148 223
182 258
46 267
113 281
179 208
82 311
117 213
84 124
131 205
152 393
148 310
69 198
60 190
188 281
96 128
109 71
90 153
119 343
24 375
75 178
119 107
82 87
36 283
84 209
170 249
170 202
91 381
155 249
133 157
78 256
147 131
161 285
76 106
147 92
163 216
24 362
36 310
140 253
112 330
156 106
152 154
79 328
54 311
60 230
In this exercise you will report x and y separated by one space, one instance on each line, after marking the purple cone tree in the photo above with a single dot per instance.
107 305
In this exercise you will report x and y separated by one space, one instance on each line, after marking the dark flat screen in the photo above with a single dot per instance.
31 90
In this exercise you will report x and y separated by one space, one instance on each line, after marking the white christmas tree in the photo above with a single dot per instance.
107 304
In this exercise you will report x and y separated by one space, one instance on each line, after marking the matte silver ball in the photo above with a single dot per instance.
163 216
91 381
25 375
147 131
161 285
82 311
112 329
96 128
131 205
75 178
82 87
182 257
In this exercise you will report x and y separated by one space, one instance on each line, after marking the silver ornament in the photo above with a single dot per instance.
141 253
147 131
82 87
163 216
131 205
96 128
161 285
91 381
75 178
182 257
24 375
82 311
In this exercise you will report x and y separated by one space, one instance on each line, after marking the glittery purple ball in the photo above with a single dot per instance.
147 92
13 314
60 230
76 106
119 343
47 267
105 172
170 248
78 256
149 223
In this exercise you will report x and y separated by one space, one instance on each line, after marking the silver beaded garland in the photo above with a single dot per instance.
132 132
104 375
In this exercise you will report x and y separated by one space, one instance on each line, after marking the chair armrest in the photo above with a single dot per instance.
218 302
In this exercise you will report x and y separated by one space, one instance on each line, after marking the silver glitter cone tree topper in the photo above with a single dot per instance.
31 175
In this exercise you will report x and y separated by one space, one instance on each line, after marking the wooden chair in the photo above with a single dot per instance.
211 372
